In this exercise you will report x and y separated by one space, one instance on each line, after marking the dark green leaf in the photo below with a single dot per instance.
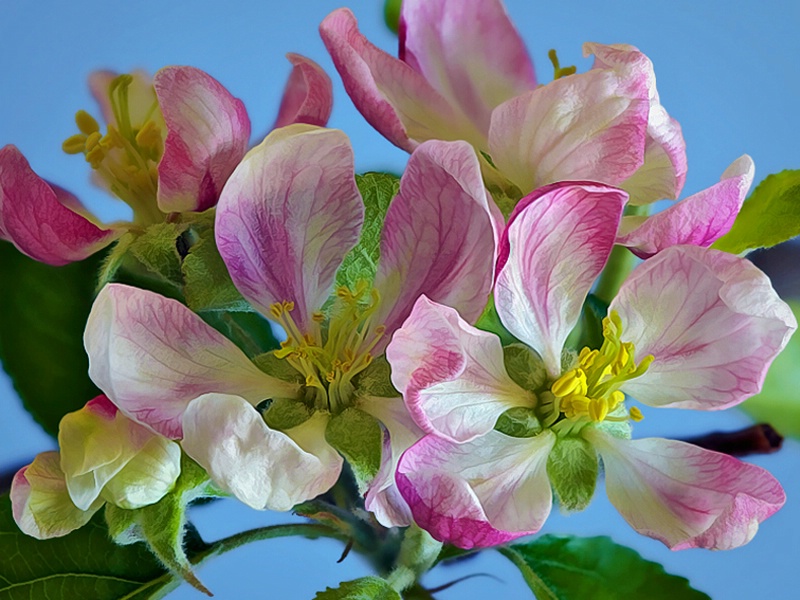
366 588
377 190
83 564
770 215
43 312
567 568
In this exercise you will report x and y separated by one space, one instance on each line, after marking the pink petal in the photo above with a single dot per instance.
712 321
40 502
288 216
698 220
152 356
383 498
451 374
308 95
208 132
469 51
262 467
664 170
35 217
557 241
482 493
588 126
438 236
392 96
686 496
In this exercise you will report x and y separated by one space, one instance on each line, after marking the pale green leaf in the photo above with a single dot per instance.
366 588
572 467
358 437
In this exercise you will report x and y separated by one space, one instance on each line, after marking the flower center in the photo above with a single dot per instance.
338 347
126 157
590 391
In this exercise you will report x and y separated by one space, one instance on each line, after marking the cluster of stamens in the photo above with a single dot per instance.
336 348
126 157
590 391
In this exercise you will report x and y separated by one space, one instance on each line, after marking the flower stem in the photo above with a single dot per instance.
616 271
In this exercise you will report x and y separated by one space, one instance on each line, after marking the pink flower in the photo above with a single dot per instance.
691 328
171 145
288 216
463 74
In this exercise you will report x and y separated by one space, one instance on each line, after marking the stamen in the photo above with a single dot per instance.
558 70
635 414
86 123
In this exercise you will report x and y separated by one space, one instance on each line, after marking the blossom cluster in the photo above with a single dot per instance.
515 196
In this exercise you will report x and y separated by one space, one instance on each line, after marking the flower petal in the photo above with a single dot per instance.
468 50
308 95
686 496
152 356
383 498
713 322
286 219
34 216
439 235
588 126
262 467
208 132
40 502
698 220
556 243
393 97
664 170
451 374
482 493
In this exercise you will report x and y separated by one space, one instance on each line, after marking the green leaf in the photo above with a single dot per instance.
568 567
391 14
156 250
284 413
366 588
778 403
43 312
519 422
83 564
377 190
525 367
376 379
770 215
358 437
572 467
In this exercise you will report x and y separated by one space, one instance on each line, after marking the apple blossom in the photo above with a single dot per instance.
690 328
170 145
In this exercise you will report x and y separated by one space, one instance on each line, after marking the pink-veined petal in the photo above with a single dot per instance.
383 498
698 220
38 219
290 213
469 51
588 126
663 172
439 236
393 97
556 243
152 356
713 322
686 496
308 95
482 493
451 374
262 467
208 132
40 501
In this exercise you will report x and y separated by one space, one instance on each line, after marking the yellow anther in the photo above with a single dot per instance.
598 409
276 310
150 141
112 139
309 339
75 144
643 365
95 156
86 123
380 330
587 357
571 382
558 70
367 359
616 399
287 305
317 317
284 352
93 141
635 414
331 377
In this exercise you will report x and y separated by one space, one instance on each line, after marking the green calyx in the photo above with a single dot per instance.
572 468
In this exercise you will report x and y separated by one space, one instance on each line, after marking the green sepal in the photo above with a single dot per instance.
490 321
283 414
251 332
361 263
594 311
567 567
277 367
519 422
525 367
376 379
572 467
366 588
358 437
391 14
768 217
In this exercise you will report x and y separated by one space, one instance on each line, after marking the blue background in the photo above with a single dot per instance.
726 70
